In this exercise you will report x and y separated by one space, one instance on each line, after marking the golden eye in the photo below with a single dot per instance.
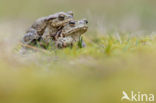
61 17
72 23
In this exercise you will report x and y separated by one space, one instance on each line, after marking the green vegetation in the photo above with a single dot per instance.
98 73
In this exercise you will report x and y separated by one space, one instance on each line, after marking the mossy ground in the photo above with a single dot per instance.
95 74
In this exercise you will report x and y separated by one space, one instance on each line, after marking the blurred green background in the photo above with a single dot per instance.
119 56
117 14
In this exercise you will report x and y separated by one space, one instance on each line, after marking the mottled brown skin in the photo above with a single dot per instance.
53 22
53 28
71 33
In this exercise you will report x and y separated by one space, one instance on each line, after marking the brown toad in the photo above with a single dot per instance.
71 33
53 22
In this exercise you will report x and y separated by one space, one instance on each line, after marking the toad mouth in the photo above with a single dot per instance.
76 30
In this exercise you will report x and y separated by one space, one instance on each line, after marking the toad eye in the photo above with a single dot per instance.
61 17
72 23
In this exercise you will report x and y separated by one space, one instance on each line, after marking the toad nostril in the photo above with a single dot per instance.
86 21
